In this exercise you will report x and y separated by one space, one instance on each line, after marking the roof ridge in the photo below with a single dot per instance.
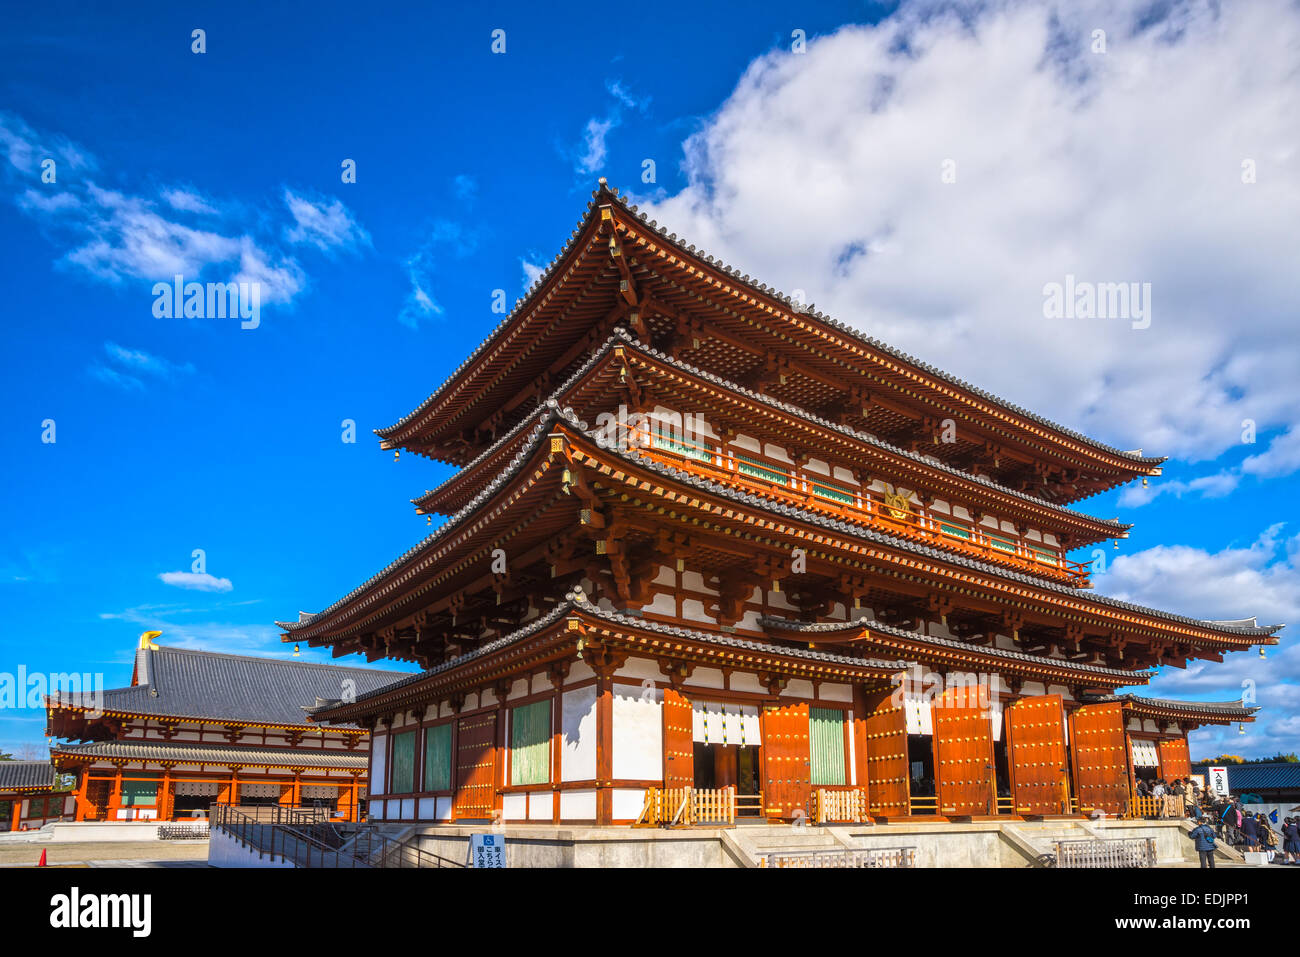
604 191
232 656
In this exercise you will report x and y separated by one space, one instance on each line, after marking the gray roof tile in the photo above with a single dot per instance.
180 683
220 754
15 775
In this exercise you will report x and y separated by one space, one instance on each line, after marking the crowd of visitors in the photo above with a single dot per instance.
1223 817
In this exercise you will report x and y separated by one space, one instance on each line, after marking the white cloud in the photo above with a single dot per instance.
590 155
1208 486
127 368
532 272
1282 457
327 225
196 581
446 238
188 201
822 172
1260 579
117 236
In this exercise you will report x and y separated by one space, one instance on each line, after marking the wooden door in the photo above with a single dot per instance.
888 771
475 767
786 760
1036 755
963 754
1175 762
1100 753
679 741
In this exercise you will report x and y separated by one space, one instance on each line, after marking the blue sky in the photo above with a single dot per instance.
178 434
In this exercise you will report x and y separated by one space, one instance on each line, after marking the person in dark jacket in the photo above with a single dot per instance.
1203 835
1250 831
1291 840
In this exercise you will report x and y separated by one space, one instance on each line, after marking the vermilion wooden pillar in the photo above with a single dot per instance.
115 796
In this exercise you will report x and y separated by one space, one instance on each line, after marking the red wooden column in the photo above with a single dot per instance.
164 801
604 664
558 672
861 771
18 812
115 796
80 804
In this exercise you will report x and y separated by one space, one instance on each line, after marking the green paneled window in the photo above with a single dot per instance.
958 531
694 450
402 775
530 743
826 744
437 758
747 466
836 493
139 793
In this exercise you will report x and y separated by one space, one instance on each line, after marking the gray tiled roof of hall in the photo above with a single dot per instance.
20 775
578 600
555 413
1228 707
830 627
762 289
192 753
186 684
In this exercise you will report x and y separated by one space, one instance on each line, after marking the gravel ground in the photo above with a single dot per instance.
107 854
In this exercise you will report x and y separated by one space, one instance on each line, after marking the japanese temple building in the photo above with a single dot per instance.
196 727
30 796
703 536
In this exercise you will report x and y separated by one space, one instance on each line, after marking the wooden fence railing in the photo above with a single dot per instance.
839 805
1121 852
873 857
688 807
1166 806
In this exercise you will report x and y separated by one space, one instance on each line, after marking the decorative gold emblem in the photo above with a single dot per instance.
898 505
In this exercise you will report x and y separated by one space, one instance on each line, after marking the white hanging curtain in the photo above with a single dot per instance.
718 722
258 789
919 718
1145 754
197 788
323 791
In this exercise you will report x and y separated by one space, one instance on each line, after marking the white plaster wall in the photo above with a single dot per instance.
514 807
578 805
705 678
378 764
540 806
836 692
578 735
638 733
628 803
798 688
640 669
746 681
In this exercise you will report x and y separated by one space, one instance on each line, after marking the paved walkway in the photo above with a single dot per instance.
107 854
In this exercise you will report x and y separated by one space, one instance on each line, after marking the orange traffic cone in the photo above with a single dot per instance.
41 862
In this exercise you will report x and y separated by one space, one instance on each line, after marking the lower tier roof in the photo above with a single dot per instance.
214 754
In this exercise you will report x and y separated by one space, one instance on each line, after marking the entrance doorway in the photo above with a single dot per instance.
731 765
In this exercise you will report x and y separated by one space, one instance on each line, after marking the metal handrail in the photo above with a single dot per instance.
286 833
913 521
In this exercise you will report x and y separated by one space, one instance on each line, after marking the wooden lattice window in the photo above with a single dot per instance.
530 743
402 776
437 758
826 744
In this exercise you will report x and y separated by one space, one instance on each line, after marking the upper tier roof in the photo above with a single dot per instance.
193 685
466 482
445 424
